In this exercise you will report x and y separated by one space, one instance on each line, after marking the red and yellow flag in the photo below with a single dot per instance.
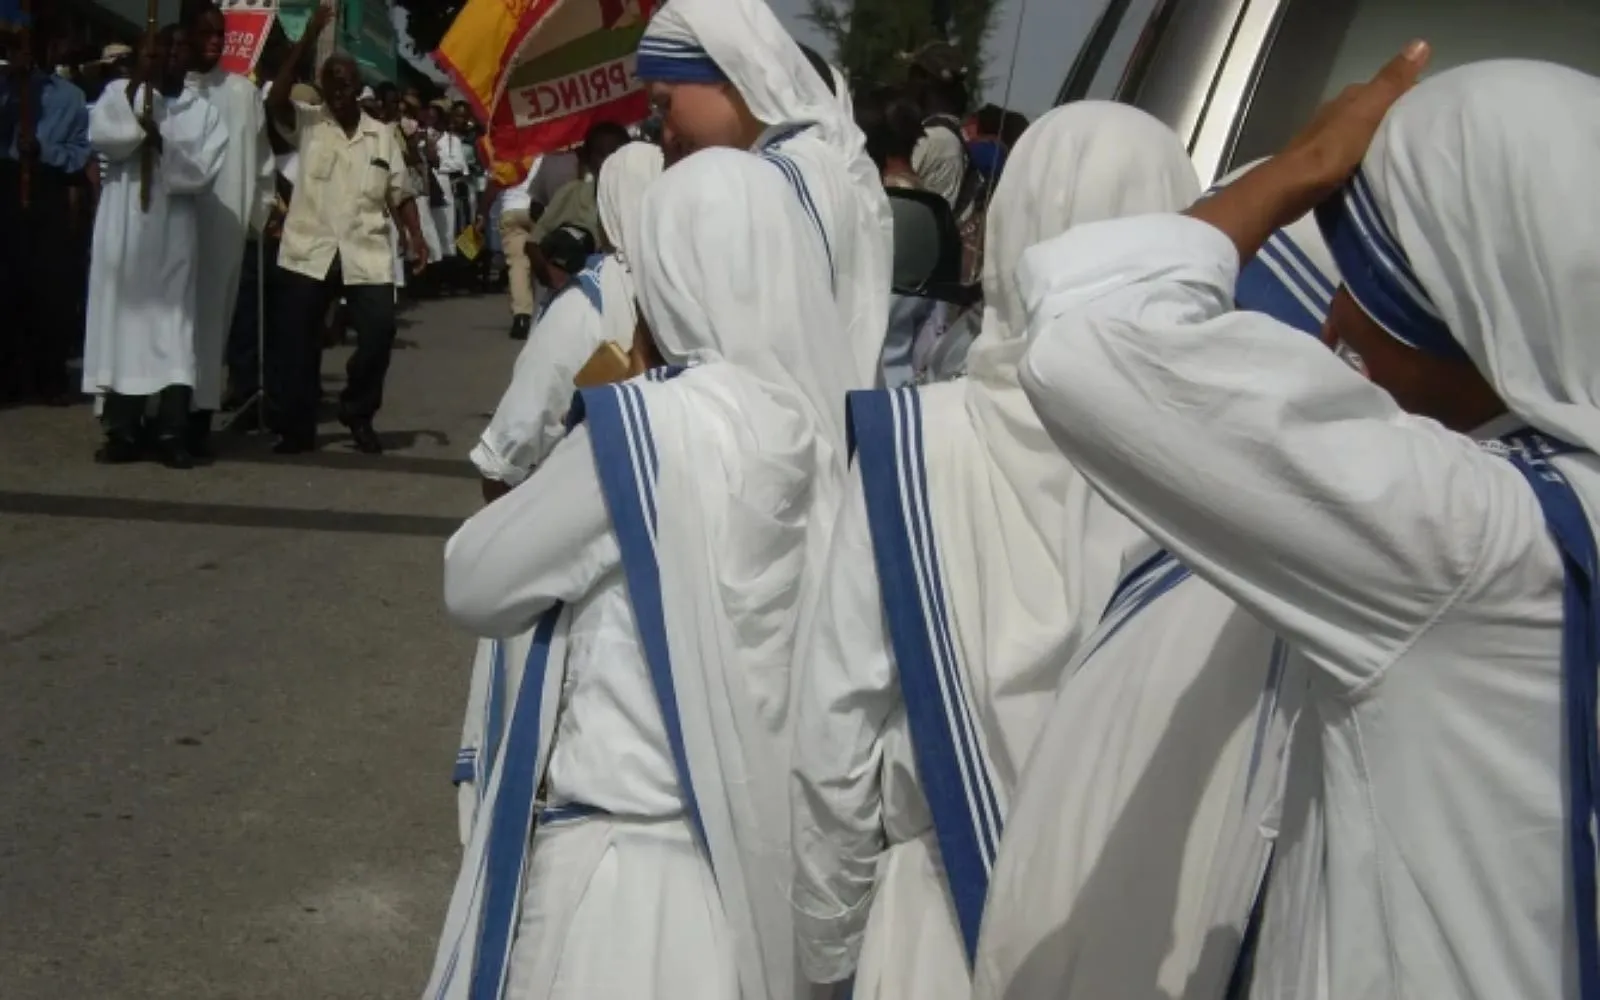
541 72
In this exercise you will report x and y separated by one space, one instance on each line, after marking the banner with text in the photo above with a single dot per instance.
563 66
247 24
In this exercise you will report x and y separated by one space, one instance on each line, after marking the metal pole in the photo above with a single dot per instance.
26 126
260 397
147 153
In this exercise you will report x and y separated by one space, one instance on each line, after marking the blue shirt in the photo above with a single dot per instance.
61 125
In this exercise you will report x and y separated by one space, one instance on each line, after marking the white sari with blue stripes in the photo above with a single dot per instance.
531 418
1437 581
988 559
1142 826
720 670
526 425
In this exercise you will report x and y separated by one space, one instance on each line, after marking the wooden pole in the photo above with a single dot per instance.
147 153
27 124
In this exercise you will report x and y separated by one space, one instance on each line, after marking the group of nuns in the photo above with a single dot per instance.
1228 630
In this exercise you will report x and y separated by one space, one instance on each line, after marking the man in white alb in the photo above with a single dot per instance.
142 275
237 203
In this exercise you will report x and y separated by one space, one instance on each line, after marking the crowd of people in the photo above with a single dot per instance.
1219 623
1209 612
154 211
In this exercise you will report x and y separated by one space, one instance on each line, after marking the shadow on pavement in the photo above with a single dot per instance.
226 515
257 450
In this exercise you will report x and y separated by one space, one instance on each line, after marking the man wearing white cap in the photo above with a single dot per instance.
237 205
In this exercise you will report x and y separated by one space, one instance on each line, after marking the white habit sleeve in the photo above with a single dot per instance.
192 143
844 697
114 129
1249 449
528 421
548 540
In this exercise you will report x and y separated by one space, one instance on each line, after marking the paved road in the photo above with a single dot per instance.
229 699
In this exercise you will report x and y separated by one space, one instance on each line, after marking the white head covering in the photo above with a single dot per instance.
747 46
1021 547
1472 227
730 271
741 42
751 457
1083 162
619 192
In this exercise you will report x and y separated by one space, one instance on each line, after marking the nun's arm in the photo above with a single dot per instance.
527 423
844 695
1249 449
548 540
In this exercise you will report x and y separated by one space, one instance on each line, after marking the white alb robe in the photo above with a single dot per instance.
235 204
1410 565
452 164
141 323
988 555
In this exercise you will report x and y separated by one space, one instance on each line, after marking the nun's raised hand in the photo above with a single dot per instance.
1316 162
1331 148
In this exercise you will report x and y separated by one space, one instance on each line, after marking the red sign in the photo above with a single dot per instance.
246 35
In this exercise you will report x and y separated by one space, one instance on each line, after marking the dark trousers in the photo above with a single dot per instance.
244 344
38 318
123 417
294 354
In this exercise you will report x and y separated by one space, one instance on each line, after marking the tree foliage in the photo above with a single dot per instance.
428 20
872 37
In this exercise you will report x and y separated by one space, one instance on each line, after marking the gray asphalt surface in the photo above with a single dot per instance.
229 698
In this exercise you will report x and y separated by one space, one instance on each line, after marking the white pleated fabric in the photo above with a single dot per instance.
1024 557
751 454
140 334
761 60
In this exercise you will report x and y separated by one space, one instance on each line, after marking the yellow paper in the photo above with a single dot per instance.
469 244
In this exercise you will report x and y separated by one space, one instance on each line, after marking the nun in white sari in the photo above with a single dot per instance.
1142 825
967 557
661 550
1436 576
597 307
809 133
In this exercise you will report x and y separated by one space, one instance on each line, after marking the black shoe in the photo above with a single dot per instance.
520 325
294 444
366 439
174 453
118 451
